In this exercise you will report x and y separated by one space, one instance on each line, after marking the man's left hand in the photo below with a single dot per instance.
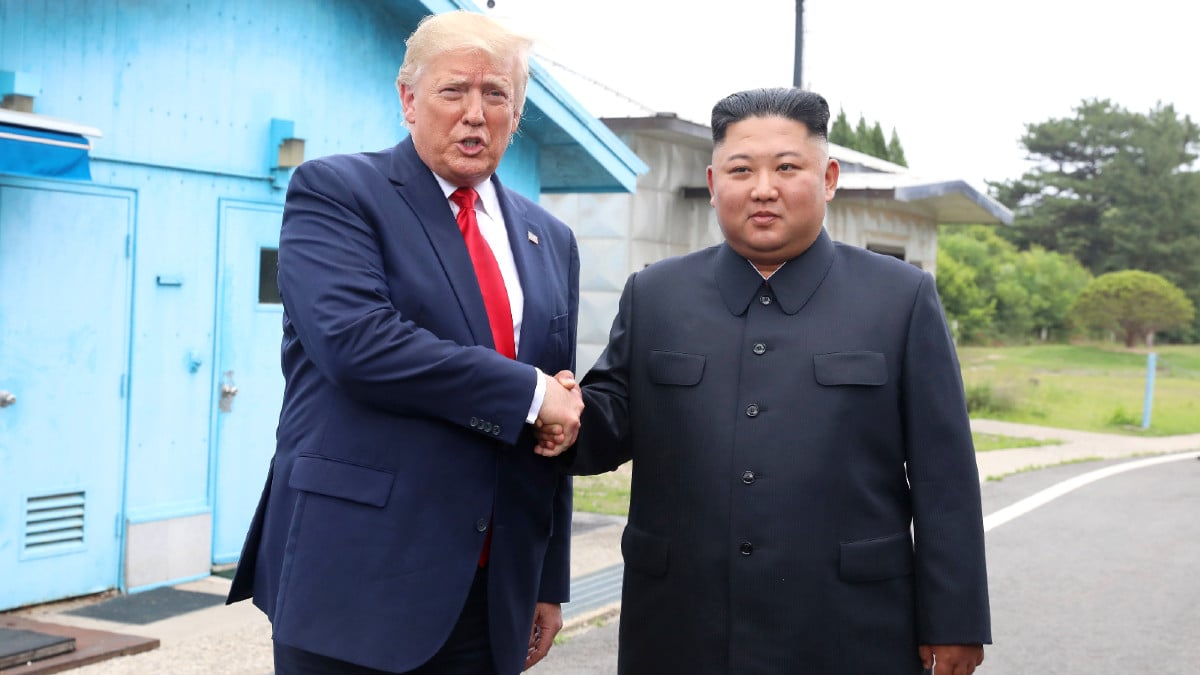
951 659
547 621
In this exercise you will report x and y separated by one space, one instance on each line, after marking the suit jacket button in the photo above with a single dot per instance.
752 410
746 548
481 525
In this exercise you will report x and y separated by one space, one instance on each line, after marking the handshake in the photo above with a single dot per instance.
557 424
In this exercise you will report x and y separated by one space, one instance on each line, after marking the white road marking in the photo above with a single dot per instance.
1053 492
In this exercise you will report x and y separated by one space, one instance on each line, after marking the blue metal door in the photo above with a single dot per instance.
64 352
248 387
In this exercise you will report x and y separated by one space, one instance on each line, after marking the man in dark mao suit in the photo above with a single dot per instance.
407 525
792 406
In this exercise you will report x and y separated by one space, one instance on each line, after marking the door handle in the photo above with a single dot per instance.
6 399
228 391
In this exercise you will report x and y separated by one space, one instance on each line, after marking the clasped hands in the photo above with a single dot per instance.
557 424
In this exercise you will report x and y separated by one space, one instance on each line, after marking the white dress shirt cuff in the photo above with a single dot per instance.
539 395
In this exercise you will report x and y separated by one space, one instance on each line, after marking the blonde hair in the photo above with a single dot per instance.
462 30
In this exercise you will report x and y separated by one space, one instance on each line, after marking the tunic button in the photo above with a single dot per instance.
764 299
748 477
487 427
495 429
746 548
752 410
760 348
474 422
481 525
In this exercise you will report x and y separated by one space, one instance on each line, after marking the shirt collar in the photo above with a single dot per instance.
488 202
792 284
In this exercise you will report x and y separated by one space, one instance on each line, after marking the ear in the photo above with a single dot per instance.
832 171
407 94
712 194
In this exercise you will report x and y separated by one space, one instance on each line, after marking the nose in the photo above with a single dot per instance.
764 187
473 104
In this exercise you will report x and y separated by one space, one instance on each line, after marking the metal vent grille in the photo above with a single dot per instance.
52 521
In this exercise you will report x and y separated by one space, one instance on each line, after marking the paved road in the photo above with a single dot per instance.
1105 579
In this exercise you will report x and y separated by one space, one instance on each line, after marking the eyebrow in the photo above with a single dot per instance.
778 155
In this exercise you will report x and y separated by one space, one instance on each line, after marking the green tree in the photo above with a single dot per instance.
877 143
862 135
1117 190
998 292
1053 281
840 131
968 307
895 151
1134 303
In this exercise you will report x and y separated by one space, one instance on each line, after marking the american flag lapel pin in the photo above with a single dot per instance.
532 237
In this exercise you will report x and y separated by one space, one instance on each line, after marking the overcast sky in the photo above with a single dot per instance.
957 79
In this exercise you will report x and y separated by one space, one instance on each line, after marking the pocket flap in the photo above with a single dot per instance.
877 559
862 368
645 552
335 478
675 368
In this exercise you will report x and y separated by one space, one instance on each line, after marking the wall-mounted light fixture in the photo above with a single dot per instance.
17 90
286 152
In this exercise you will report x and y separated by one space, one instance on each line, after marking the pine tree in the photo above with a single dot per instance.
895 151
840 131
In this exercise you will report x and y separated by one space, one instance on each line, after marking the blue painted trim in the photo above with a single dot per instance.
179 167
570 116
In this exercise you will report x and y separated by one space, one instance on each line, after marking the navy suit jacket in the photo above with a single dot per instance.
786 438
402 432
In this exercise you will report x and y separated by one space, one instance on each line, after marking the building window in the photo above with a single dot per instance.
268 266
894 251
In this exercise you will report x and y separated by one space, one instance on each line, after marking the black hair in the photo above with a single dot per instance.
805 107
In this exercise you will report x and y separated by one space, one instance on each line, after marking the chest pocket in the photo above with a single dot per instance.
850 368
675 368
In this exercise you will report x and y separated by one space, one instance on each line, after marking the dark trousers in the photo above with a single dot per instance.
468 650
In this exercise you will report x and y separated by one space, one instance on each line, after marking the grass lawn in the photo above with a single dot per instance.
986 442
1087 387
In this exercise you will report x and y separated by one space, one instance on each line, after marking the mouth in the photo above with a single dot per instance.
763 216
472 145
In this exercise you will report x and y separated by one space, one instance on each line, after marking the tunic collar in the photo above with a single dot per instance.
792 284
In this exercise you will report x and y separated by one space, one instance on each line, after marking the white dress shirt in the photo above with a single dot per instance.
491 226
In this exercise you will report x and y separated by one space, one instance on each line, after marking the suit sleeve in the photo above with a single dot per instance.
335 289
951 574
555 584
604 435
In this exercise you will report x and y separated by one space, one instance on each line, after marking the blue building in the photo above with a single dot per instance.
144 153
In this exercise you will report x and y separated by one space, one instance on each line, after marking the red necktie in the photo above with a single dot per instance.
491 282
495 295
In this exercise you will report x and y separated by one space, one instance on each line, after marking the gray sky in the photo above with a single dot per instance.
957 79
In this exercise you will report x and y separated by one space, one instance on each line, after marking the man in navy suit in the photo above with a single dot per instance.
406 525
805 497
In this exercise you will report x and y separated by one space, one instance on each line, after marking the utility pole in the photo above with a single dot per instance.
796 71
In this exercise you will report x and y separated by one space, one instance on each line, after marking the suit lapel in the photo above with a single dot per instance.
417 186
523 234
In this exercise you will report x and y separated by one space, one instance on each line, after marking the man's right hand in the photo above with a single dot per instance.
558 418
